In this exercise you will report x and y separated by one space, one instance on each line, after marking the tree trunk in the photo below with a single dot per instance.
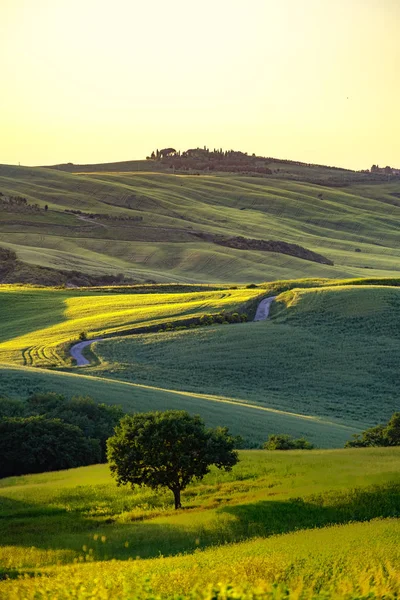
177 498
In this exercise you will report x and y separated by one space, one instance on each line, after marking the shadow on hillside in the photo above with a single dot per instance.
269 518
38 525
56 528
31 312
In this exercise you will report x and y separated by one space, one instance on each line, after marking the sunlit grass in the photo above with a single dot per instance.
325 351
294 520
39 322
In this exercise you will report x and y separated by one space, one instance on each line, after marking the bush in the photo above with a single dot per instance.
94 420
11 408
83 336
37 444
381 435
286 442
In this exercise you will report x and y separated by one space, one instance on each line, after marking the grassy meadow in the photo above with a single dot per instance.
329 352
38 322
355 226
322 366
319 522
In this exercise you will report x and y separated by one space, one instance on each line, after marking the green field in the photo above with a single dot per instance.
282 525
253 422
355 226
322 366
274 510
329 352
38 322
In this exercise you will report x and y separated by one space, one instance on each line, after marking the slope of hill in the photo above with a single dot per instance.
329 351
253 422
324 365
164 227
294 520
39 322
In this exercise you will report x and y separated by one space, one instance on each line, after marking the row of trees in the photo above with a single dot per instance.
48 432
17 204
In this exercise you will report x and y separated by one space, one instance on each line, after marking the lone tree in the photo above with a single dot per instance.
168 449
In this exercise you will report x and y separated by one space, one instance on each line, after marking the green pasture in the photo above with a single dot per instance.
290 518
355 226
330 352
37 322
253 422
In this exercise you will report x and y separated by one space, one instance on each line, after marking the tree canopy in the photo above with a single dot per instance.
286 442
37 444
95 420
168 449
381 435
36 432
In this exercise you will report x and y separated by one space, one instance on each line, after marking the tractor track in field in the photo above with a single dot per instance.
75 351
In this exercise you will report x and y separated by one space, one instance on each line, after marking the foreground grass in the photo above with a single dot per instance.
37 322
328 351
355 561
49 518
279 525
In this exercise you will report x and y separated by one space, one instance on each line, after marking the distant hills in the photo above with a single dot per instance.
234 161
148 221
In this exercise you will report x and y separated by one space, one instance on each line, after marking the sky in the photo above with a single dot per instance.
88 81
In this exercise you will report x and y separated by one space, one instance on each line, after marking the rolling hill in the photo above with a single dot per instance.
281 525
164 227
329 352
322 366
278 524
40 322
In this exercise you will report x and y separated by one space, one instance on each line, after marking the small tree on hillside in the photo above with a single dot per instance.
381 435
168 449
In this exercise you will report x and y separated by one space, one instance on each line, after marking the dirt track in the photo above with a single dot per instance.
76 352
263 309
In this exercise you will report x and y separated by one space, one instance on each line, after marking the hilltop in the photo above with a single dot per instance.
197 160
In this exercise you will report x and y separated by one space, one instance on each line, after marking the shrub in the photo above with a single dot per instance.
286 442
11 408
381 435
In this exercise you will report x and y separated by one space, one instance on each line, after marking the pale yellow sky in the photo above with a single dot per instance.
89 81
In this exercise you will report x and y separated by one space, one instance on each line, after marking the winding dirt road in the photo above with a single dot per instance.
76 352
263 309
